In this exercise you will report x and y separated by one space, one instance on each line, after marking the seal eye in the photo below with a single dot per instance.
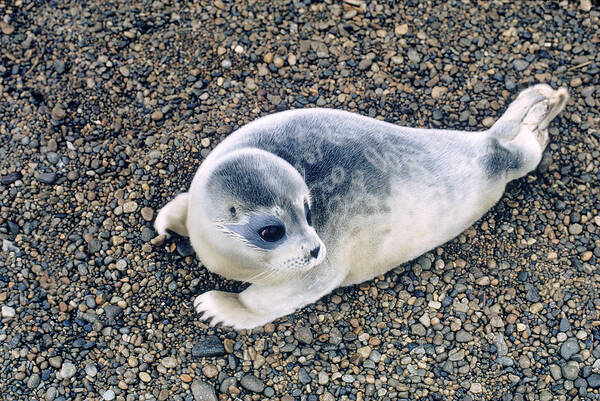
307 213
271 233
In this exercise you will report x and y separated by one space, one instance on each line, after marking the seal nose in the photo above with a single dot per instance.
315 252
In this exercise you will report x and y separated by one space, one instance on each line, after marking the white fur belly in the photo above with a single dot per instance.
414 226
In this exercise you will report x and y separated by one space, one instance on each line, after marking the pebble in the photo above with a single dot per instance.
594 380
252 383
33 381
8 312
304 335
463 336
169 362
55 362
203 391
303 376
91 370
555 371
157 115
546 395
51 394
569 348
209 347
476 388
46 178
575 229
58 113
147 213
520 65
418 329
145 377
112 312
109 395
129 207
11 178
210 371
59 66
570 371
500 343
67 370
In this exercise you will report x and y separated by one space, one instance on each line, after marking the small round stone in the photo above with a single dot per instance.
252 383
109 395
157 115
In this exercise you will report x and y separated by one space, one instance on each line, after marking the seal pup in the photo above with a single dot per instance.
301 202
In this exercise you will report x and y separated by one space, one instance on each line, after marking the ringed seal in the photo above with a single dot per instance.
301 202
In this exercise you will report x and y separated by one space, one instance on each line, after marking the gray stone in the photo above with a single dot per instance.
501 347
569 348
228 382
564 325
112 312
67 371
8 311
545 395
55 361
210 346
252 383
570 371
418 329
147 234
414 56
594 380
203 391
304 335
555 372
109 395
33 381
506 361
11 177
575 229
51 394
91 370
59 66
463 336
46 178
303 376
520 64
456 355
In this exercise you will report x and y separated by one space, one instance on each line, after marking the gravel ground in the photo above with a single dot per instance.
106 110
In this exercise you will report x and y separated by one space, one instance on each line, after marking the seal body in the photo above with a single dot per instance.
354 197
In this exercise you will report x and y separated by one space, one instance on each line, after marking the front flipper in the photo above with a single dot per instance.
225 308
260 304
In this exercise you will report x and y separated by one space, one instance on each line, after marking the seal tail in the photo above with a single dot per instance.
173 216
535 106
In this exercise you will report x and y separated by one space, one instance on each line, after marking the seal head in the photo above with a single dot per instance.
256 210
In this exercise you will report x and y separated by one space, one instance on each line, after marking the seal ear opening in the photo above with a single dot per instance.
173 216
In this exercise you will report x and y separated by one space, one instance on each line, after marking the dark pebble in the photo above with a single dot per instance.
10 178
594 380
46 178
210 346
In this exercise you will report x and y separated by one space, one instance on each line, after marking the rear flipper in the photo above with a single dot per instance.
535 106
520 136
173 216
